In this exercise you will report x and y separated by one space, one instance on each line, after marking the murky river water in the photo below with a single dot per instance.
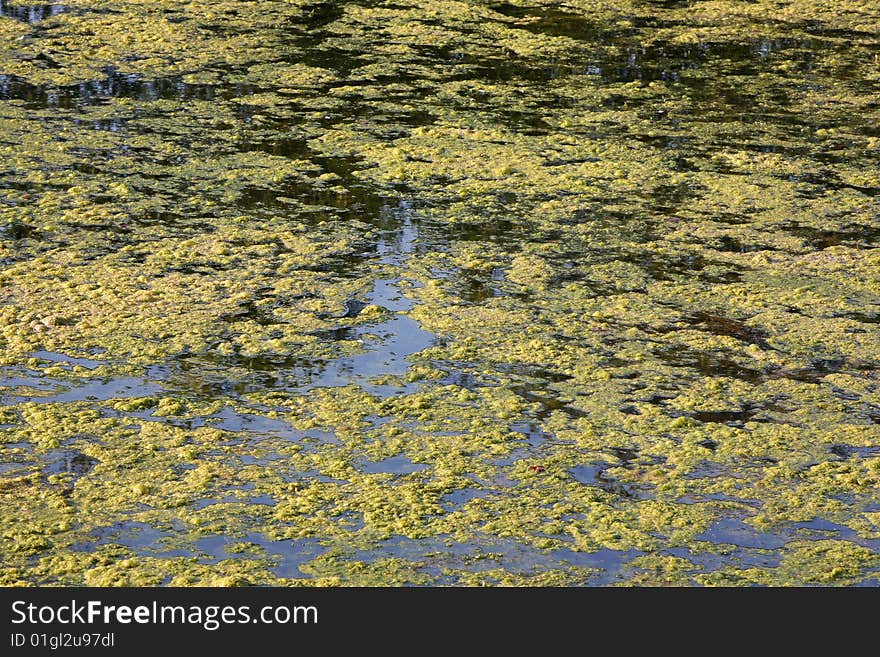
566 293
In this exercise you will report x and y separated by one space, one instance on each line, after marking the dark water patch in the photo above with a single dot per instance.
818 238
672 4
552 22
528 123
386 294
209 268
572 26
818 184
828 365
342 61
670 198
533 372
117 124
320 14
387 344
292 147
669 267
235 375
338 334
844 36
477 291
17 230
748 412
248 311
730 418
20 459
659 62
864 317
501 69
728 244
116 85
709 444
353 308
31 13
625 455
494 230
817 370
734 328
390 124
698 88
349 197
12 467
711 364
473 286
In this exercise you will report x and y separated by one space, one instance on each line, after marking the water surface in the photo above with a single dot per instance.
507 293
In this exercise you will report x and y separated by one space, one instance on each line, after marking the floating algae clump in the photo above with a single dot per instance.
459 293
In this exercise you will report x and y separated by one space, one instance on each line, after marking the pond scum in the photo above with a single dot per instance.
447 293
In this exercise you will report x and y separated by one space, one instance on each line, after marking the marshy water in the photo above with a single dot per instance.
539 292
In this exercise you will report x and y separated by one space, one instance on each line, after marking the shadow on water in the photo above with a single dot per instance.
115 85
554 22
31 13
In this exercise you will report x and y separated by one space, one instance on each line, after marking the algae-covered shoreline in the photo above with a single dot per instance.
455 293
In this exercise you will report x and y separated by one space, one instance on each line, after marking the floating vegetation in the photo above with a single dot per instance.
527 293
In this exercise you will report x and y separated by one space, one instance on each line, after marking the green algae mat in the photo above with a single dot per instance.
440 293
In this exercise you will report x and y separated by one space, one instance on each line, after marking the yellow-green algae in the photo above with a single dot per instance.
642 238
